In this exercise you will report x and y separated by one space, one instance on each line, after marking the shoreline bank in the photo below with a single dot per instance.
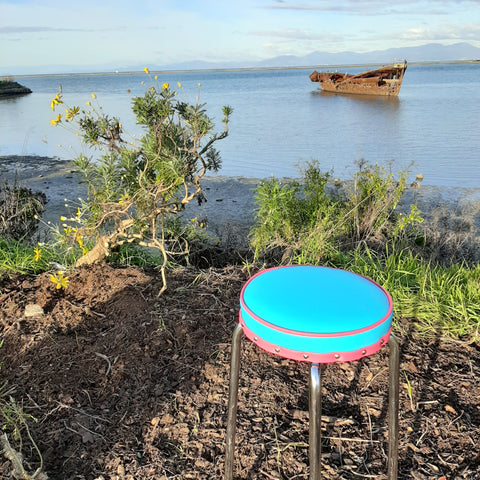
230 208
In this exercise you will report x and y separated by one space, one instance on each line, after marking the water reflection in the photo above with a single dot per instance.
361 98
11 99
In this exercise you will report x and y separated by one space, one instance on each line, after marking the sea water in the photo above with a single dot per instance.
282 120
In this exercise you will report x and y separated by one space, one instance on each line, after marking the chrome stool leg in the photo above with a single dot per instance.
315 410
393 400
232 402
315 421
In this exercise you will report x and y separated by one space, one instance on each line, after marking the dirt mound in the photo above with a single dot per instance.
126 385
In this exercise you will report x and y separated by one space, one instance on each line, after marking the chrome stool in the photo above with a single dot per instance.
318 315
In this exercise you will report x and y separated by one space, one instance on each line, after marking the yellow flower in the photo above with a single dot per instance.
59 280
199 84
165 86
56 120
93 95
37 253
179 85
123 198
57 100
146 70
156 77
71 112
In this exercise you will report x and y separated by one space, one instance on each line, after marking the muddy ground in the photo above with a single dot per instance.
125 385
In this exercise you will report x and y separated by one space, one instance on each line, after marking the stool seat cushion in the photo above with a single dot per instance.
315 314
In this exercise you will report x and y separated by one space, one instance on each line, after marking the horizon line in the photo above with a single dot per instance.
233 69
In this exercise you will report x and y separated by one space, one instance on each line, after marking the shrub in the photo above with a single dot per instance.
294 215
134 187
20 210
372 201
305 223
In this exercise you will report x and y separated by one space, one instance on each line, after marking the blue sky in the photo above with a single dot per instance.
37 36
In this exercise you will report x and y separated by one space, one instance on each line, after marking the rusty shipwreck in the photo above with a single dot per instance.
382 81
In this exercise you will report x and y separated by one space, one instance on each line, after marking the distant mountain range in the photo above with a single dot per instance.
432 52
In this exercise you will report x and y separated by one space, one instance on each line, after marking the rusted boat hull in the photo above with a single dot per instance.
385 81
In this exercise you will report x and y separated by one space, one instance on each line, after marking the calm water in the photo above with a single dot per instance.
281 119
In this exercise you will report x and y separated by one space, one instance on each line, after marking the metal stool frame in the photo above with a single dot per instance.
315 410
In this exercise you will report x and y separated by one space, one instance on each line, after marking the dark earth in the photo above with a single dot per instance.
122 384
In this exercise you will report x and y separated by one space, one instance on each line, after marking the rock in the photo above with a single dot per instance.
10 88
33 310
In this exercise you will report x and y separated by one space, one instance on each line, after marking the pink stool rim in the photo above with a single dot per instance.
312 357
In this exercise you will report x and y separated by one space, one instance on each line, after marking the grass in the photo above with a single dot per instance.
18 257
437 299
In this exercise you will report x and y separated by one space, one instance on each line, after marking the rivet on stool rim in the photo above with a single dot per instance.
364 352
277 349
337 355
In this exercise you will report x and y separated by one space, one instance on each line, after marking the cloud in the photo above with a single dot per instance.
290 33
469 31
41 29
298 41
374 7
34 29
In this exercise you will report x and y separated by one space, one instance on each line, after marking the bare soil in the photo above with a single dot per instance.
126 385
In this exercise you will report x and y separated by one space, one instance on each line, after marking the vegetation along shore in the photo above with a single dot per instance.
117 315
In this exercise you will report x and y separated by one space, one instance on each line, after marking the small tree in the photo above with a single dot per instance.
135 186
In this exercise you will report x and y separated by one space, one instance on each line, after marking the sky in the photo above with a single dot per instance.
41 36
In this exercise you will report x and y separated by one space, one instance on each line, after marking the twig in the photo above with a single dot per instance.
60 404
359 440
363 475
101 355
268 475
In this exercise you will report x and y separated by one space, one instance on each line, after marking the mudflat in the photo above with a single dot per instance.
229 211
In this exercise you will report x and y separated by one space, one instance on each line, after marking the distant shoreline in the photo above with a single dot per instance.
239 69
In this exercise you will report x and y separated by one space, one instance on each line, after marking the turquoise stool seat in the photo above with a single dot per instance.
318 315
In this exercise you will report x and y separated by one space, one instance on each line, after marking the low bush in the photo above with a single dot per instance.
20 210
301 221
